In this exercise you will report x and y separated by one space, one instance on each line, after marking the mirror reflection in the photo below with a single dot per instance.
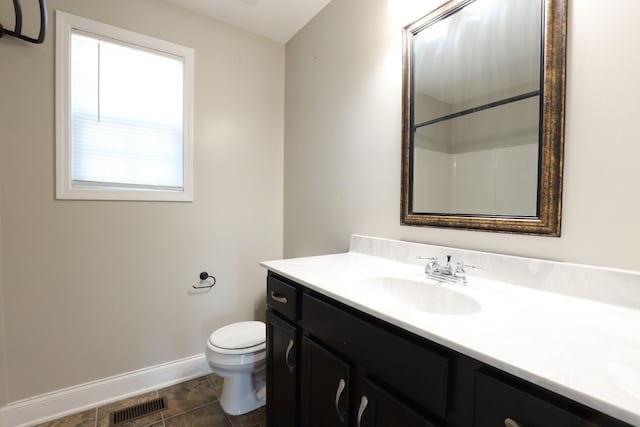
475 111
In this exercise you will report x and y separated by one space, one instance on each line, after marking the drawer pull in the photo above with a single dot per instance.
286 357
279 297
341 386
508 422
363 405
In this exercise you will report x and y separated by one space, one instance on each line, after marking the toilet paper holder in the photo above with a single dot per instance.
204 276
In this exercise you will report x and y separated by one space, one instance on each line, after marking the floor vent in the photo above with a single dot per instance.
137 411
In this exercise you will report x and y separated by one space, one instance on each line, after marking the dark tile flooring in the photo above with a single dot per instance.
193 403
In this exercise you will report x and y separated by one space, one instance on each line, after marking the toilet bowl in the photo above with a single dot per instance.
237 353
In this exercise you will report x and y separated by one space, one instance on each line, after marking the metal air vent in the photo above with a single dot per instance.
137 411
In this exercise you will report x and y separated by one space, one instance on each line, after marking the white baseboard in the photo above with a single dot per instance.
59 403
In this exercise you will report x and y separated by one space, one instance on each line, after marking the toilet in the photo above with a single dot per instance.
237 353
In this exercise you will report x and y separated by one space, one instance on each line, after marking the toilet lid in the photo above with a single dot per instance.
239 335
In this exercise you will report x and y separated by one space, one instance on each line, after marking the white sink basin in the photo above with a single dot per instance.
417 295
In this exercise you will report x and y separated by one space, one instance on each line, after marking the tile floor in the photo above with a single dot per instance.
192 403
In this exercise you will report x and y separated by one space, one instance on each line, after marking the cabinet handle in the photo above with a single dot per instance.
508 422
363 405
341 386
286 357
279 297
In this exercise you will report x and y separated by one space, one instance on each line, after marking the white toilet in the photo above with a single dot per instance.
237 353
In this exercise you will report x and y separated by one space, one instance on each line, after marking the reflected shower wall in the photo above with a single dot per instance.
481 163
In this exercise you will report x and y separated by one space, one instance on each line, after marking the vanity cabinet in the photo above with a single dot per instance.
329 365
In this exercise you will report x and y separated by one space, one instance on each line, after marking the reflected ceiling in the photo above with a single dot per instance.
481 51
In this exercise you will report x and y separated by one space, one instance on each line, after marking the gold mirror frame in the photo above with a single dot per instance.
547 222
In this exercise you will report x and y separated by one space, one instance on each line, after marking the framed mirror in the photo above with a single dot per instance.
483 116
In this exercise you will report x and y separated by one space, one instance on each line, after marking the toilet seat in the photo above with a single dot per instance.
239 338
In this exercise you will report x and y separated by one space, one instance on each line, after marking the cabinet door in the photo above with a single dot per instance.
325 387
378 408
282 372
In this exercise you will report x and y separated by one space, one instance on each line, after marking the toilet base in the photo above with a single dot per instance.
242 393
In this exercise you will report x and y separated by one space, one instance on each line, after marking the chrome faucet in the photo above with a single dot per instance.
445 272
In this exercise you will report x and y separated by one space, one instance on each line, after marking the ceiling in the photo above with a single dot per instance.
278 20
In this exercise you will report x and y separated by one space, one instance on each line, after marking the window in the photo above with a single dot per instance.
123 114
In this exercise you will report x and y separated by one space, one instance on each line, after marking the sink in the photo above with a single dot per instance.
417 295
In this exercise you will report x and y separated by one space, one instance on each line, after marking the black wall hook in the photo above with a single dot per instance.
204 276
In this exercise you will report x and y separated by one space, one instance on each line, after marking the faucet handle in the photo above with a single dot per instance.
433 266
462 265
459 272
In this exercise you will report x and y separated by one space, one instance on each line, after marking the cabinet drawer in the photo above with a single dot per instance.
412 370
497 401
282 297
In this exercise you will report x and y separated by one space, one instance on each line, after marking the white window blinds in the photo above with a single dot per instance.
126 116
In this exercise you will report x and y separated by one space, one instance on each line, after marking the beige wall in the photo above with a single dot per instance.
94 289
342 138
3 353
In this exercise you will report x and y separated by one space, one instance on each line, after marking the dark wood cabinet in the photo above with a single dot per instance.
379 408
325 387
282 297
332 365
501 402
417 370
282 372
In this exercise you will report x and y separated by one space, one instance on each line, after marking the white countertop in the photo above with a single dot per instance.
584 349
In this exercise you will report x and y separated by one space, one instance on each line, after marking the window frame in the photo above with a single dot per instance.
65 24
